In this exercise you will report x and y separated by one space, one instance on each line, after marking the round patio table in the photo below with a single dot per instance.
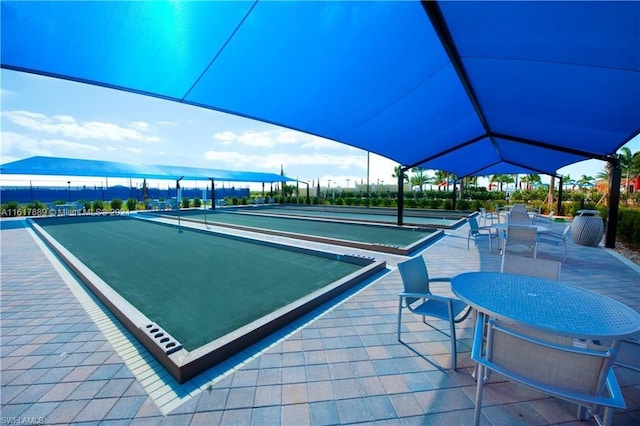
547 305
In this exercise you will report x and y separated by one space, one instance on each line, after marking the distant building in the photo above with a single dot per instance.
602 185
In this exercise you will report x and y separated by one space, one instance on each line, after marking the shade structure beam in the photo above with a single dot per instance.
557 148
437 20
224 45
426 160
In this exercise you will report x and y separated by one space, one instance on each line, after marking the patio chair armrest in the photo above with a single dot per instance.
551 236
410 294
440 279
429 296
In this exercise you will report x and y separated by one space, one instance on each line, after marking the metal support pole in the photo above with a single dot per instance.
559 212
614 201
401 196
213 195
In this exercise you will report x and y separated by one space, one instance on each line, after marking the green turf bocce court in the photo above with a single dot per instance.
196 297
318 227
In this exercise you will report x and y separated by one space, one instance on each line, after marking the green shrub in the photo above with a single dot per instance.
131 204
435 203
463 205
98 205
197 202
116 204
10 209
628 229
186 203
37 208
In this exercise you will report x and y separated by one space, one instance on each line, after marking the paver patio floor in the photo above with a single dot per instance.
65 359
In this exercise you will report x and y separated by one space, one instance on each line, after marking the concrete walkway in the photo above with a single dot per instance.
65 359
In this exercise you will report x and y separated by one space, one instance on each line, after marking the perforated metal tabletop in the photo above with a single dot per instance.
548 305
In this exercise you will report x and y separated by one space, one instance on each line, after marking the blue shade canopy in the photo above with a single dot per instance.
54 166
472 88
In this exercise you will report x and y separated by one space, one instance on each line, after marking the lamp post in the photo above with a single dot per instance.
69 189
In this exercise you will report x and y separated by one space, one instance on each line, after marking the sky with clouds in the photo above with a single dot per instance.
51 117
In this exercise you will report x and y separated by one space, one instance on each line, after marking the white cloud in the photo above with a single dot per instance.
256 139
14 143
289 136
68 127
140 125
239 160
268 138
69 146
225 137
64 118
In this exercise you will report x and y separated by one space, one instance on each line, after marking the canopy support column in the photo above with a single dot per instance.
559 212
453 195
401 196
614 200
213 195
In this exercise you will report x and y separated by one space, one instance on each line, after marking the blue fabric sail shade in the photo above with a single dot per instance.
459 86
55 166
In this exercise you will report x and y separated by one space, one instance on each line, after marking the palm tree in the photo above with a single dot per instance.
585 181
396 173
472 180
626 160
502 179
420 177
603 174
635 164
442 176
567 181
530 180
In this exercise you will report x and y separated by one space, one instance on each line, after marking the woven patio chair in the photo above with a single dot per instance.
418 299
576 370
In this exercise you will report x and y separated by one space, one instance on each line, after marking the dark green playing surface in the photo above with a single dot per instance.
196 286
366 233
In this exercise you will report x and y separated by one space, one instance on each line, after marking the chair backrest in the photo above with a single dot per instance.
524 235
415 276
544 220
561 365
518 218
541 268
473 224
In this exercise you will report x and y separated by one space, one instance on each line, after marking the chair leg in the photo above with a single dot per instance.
399 318
452 334
454 349
479 387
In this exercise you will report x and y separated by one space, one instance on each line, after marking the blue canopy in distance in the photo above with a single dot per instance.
54 166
